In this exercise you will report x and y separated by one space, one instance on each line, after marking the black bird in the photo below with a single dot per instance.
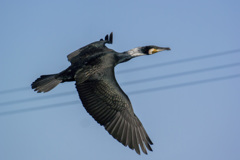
92 67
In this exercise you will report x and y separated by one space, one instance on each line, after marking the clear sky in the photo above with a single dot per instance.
191 111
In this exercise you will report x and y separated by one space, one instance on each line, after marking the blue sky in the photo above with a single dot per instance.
184 118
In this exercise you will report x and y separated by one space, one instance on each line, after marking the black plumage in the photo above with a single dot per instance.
92 67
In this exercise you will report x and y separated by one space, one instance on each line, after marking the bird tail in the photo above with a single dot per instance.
45 83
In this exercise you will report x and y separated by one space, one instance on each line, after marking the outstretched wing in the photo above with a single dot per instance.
94 47
110 106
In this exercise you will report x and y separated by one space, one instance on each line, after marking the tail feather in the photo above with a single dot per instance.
45 83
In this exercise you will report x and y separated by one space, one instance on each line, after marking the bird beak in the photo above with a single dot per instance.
162 49
159 49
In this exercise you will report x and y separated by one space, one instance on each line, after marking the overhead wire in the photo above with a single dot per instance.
63 104
180 74
14 90
130 93
36 98
125 83
180 61
185 84
149 66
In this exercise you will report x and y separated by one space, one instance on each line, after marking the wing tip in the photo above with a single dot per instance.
108 38
111 38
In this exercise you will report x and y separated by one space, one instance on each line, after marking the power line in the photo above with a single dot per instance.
148 67
124 83
37 98
130 93
14 90
184 84
181 74
179 61
64 104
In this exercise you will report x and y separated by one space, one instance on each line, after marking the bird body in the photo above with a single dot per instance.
92 67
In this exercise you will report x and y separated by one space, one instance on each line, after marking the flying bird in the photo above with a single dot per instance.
92 68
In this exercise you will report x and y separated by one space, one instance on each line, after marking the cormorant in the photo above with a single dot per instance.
92 67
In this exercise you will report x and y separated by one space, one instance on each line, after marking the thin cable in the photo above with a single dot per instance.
148 67
180 74
64 104
130 93
179 61
184 84
124 83
14 90
37 98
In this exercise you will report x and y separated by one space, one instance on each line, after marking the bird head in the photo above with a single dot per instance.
146 50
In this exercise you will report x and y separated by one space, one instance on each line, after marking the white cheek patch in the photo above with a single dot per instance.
151 51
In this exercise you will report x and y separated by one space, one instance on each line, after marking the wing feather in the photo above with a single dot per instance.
124 133
98 46
110 107
140 138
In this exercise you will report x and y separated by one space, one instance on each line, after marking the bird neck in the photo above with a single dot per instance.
123 57
135 52
127 55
